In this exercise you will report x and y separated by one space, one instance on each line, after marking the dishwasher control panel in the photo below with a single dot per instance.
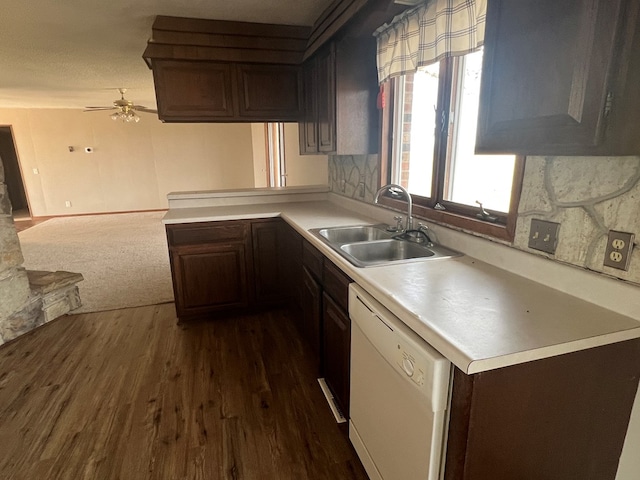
411 366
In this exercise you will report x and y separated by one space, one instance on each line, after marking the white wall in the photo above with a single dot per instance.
133 166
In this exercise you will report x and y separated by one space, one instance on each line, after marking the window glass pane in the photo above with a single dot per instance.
471 177
415 124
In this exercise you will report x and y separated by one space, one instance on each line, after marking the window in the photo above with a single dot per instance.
276 166
430 129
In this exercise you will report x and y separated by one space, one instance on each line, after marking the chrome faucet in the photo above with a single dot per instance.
397 190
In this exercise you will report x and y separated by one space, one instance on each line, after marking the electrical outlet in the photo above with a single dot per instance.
361 186
67 203
618 252
543 235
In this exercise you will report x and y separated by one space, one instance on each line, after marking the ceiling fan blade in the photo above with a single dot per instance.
97 109
140 108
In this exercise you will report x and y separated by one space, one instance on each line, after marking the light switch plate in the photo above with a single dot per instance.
618 252
543 235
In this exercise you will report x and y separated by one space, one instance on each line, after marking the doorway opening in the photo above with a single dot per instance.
13 175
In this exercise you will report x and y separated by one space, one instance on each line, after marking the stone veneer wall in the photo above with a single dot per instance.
354 176
588 196
20 311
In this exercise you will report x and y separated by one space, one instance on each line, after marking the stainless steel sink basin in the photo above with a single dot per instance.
385 251
366 254
372 245
358 233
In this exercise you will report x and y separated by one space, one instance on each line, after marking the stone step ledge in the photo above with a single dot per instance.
58 291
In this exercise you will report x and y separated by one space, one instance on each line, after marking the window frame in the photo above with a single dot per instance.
454 214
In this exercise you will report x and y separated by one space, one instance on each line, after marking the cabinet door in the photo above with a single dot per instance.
209 277
356 80
336 351
290 253
326 82
308 127
269 92
336 284
311 327
312 259
193 91
545 75
267 264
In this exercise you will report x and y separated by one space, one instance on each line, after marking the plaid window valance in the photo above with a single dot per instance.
428 33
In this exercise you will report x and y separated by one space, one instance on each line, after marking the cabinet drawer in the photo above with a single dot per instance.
312 259
336 284
198 233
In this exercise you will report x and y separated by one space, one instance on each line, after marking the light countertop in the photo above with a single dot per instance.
477 315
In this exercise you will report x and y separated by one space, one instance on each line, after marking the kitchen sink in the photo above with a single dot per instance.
372 245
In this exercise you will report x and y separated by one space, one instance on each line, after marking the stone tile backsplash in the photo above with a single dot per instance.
588 196
354 176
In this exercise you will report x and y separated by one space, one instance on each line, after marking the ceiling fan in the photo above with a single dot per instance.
125 110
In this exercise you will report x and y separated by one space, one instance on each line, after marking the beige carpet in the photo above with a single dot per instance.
123 257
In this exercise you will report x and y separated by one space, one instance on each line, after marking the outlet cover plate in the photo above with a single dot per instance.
543 235
618 252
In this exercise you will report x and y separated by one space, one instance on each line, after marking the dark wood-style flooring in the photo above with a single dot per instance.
129 394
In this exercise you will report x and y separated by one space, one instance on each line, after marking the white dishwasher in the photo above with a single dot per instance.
399 394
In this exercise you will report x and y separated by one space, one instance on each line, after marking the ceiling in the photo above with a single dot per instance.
77 53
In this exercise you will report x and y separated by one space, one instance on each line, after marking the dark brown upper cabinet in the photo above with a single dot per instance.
218 71
340 99
326 100
560 78
318 128
308 126
269 91
189 90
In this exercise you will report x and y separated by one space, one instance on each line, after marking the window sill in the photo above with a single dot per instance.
443 217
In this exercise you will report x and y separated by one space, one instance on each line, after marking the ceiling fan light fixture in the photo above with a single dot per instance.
125 115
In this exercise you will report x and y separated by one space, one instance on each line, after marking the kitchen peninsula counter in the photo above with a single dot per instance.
479 316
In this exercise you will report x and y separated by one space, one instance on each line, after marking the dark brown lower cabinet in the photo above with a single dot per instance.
336 351
226 266
267 261
325 321
290 251
558 418
210 278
